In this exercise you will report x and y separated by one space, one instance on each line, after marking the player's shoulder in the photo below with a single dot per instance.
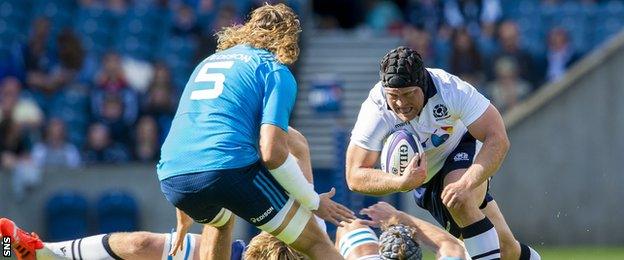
376 97
448 84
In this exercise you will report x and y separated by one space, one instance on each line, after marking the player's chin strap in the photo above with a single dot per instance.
290 176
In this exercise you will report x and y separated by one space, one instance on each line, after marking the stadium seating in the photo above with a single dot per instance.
66 216
93 26
117 211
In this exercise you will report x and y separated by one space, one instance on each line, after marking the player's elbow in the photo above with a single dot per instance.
505 143
273 155
451 248
352 181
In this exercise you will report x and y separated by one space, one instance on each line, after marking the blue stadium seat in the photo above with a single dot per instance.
605 28
60 12
139 29
66 216
178 53
117 211
523 9
94 27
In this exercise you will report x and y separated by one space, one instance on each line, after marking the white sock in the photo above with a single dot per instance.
481 240
188 247
92 248
528 253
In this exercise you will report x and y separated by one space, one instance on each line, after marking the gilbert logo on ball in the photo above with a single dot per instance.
399 148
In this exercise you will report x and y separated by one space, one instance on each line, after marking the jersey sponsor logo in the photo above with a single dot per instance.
401 124
440 112
263 216
461 157
448 129
233 56
438 140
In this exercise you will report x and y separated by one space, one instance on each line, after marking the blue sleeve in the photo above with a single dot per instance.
279 98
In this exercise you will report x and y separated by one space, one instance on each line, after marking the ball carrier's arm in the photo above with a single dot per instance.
489 129
364 178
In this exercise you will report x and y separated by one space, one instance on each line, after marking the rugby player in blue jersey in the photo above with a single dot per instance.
227 150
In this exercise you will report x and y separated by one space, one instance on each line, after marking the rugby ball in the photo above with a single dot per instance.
399 148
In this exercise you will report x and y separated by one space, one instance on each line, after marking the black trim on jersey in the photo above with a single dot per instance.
108 249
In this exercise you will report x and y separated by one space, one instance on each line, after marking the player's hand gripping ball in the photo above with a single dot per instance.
397 242
400 147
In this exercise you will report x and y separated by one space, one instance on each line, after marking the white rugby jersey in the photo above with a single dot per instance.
439 127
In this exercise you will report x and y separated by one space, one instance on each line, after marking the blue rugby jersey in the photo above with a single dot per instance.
228 96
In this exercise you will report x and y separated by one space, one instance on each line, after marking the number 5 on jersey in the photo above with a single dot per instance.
217 78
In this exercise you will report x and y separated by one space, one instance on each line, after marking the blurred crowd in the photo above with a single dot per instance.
97 81
505 48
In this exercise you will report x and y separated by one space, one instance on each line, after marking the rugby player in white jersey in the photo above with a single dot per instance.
465 142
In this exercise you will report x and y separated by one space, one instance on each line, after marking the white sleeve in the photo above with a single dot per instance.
370 127
466 102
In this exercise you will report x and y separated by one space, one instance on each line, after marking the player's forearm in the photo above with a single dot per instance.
372 181
488 160
433 237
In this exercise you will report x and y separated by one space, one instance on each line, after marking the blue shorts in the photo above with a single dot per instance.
429 195
250 192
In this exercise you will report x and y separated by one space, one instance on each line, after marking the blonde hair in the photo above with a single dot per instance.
266 246
272 27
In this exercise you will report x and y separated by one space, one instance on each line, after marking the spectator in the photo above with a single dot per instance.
427 14
16 107
185 22
101 148
147 145
560 54
384 16
38 57
70 59
486 41
507 89
420 40
465 59
471 13
345 14
111 81
160 100
117 7
55 151
16 114
111 77
112 117
207 44
509 46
